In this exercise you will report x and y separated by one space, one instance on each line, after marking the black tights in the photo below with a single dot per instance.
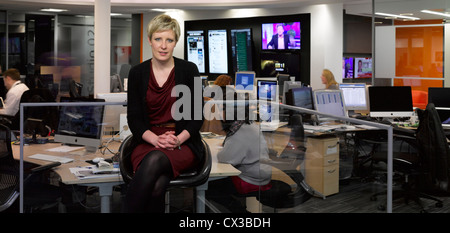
146 191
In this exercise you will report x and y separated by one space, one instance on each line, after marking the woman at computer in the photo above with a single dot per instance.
164 146
328 79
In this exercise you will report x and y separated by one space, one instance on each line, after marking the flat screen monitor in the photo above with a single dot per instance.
111 116
355 95
245 81
439 96
347 67
281 78
80 125
241 49
218 51
390 101
267 89
300 97
291 36
330 102
196 49
444 116
289 85
363 67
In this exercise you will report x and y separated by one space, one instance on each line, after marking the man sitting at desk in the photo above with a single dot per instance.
15 88
243 147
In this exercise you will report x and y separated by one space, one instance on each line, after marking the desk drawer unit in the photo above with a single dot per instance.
322 164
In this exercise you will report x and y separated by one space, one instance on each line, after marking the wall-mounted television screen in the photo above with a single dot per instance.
363 67
218 51
196 49
347 67
241 49
281 36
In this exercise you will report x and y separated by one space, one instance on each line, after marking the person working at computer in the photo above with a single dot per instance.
328 79
11 79
280 40
243 147
165 147
222 84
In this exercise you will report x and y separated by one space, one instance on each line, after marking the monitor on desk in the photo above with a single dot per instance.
329 102
80 125
287 86
245 82
355 95
111 119
267 89
390 101
439 96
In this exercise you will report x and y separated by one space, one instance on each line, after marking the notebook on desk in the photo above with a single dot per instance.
51 158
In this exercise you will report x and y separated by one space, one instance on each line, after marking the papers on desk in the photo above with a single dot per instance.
51 158
326 128
90 172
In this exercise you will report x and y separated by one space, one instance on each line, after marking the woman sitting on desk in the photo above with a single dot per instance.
165 146
243 147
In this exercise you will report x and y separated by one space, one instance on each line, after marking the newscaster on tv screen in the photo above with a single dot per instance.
281 36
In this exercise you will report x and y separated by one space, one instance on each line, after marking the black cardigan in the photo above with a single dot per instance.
137 114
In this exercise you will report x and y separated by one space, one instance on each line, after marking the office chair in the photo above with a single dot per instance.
37 195
75 89
193 178
419 98
425 167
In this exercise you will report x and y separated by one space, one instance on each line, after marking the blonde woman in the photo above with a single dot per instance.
328 79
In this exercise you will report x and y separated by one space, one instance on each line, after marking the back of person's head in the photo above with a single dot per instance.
238 109
329 77
163 23
14 74
223 80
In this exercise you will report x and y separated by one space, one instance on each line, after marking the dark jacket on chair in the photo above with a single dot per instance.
137 114
434 150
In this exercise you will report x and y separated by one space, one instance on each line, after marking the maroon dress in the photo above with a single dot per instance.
159 104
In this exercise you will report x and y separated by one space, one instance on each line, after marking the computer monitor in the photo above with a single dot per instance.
287 86
330 102
80 125
245 81
116 83
267 89
439 96
300 97
281 79
355 95
390 101
111 119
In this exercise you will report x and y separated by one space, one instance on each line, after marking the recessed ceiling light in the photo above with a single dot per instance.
53 10
397 16
115 14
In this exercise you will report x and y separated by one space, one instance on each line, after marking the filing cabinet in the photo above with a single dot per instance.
322 164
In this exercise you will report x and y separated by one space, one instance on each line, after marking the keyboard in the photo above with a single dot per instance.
51 158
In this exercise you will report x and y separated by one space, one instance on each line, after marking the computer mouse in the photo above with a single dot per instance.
97 160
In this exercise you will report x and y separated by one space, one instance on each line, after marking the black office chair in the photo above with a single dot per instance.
425 166
193 178
37 195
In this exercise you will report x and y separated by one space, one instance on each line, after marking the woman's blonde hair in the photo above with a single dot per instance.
163 23
223 80
329 77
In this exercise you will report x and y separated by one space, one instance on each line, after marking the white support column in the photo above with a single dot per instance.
102 44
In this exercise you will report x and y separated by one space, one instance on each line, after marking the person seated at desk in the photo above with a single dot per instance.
328 79
15 88
221 86
243 147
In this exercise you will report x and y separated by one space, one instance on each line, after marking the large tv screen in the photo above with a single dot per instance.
281 36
